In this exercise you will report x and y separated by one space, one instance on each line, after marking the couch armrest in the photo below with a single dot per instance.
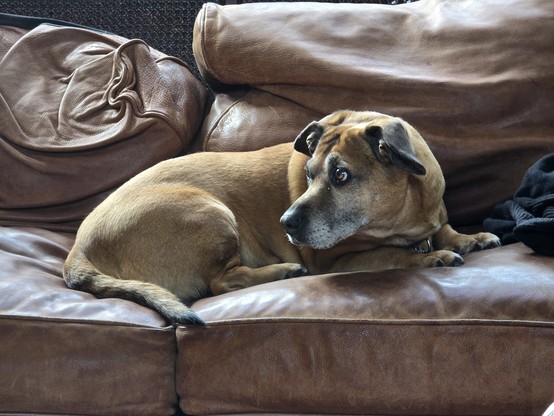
81 117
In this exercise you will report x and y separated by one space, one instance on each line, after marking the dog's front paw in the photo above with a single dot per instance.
448 239
463 243
486 241
443 258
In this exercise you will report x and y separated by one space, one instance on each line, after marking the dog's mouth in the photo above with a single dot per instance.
314 243
323 238
293 240
296 242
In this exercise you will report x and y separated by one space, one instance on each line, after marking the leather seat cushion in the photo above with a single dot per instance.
393 342
104 356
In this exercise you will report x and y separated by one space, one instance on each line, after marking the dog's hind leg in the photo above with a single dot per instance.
240 277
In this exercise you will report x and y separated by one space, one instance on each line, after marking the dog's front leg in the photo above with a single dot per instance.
383 258
449 239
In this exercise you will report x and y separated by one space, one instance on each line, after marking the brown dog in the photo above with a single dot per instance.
366 194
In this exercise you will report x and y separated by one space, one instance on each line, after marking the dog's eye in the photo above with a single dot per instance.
341 176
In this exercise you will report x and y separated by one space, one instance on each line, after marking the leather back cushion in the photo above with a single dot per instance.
82 112
475 78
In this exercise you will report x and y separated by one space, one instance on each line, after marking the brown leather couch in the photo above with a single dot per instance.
80 112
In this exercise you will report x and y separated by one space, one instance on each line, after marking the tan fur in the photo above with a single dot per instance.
208 223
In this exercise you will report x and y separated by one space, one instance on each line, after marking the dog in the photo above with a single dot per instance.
355 191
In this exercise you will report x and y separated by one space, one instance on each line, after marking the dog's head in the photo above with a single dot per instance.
368 174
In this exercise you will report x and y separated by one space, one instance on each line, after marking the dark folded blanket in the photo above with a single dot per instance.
529 218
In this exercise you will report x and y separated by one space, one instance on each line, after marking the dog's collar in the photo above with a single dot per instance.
423 247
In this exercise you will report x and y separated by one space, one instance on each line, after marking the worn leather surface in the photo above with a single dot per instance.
509 283
8 36
475 78
66 352
82 116
76 120
366 368
469 340
362 343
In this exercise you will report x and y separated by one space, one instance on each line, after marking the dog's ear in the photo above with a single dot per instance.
391 144
307 140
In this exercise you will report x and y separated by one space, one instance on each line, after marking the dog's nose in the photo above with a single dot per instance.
291 221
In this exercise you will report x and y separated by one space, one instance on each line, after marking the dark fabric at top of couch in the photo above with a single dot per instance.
164 25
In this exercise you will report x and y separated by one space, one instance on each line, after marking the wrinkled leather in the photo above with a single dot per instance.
36 257
421 294
8 36
475 78
472 340
410 330
84 115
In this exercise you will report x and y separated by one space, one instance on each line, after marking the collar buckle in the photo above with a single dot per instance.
423 247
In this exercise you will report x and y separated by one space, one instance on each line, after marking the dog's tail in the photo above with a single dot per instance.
80 274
